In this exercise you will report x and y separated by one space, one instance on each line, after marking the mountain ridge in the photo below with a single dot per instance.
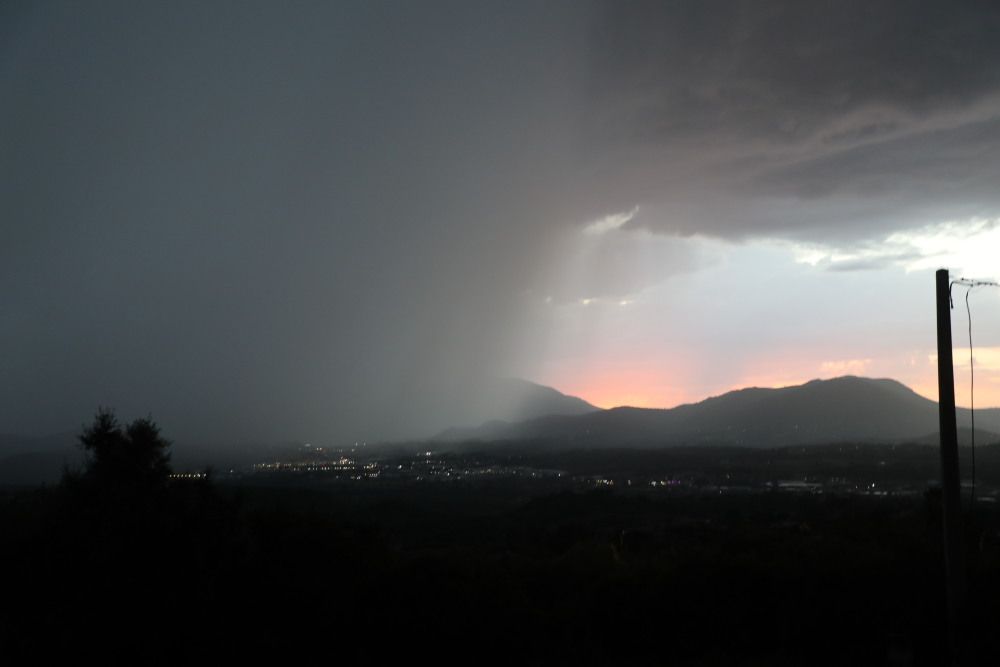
818 411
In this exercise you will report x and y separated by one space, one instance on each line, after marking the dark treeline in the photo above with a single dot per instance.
363 574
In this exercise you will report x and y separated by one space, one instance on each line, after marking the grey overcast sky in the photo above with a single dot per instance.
333 221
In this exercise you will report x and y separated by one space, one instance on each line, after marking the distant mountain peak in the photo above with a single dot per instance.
509 400
842 409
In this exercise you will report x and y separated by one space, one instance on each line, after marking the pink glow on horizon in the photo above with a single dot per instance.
606 385
656 386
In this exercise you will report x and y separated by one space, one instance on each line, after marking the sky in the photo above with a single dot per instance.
335 221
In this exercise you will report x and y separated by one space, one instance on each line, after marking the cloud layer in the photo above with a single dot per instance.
260 222
808 120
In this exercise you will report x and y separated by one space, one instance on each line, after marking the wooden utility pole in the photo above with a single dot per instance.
954 561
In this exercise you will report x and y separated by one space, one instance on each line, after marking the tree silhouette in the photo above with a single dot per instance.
133 457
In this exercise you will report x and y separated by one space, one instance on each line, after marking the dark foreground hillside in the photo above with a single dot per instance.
455 573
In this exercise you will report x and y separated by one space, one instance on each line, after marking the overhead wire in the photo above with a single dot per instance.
970 285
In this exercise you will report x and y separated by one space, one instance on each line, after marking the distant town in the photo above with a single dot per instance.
860 469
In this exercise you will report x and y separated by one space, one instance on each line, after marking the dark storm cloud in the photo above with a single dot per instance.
788 70
260 221
819 120
263 223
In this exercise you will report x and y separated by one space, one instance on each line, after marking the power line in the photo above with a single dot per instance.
970 285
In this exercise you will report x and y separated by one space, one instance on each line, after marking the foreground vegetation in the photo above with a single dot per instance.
770 578
166 571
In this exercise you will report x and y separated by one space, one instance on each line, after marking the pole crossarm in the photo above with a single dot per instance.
974 283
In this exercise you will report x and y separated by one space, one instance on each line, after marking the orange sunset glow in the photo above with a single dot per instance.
652 386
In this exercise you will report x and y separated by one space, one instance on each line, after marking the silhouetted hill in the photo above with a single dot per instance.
822 411
27 460
513 400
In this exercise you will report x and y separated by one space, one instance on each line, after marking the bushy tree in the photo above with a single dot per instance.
135 456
